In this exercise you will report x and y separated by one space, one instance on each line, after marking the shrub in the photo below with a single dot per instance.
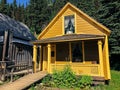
67 79
47 81
84 82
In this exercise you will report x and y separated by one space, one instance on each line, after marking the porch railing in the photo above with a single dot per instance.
79 68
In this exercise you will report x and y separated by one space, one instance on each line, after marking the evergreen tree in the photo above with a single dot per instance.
3 6
109 15
38 14
14 5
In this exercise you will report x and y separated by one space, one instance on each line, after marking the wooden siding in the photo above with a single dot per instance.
54 30
53 53
82 25
79 69
106 59
85 26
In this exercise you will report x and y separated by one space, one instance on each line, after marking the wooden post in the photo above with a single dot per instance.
4 53
4 45
40 61
49 57
106 59
83 51
10 45
100 57
34 58
70 52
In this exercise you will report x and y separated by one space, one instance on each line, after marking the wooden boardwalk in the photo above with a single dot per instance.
24 82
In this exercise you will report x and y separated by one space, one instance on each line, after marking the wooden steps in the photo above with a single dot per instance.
98 80
24 82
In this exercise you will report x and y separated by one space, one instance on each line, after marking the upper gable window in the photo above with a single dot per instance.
69 24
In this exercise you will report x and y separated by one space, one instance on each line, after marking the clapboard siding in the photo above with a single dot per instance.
82 25
54 30
86 27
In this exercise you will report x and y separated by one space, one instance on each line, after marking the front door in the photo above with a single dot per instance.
53 53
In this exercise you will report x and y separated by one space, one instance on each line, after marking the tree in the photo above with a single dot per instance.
108 14
38 12
3 6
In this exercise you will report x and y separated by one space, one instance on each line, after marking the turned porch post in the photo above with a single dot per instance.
100 57
34 58
49 57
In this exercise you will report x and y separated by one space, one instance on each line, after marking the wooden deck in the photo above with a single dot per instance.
24 82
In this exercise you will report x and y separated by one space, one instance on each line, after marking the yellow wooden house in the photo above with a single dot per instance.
73 38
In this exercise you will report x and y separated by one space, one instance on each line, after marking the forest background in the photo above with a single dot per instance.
36 14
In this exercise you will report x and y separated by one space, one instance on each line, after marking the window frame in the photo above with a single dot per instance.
74 15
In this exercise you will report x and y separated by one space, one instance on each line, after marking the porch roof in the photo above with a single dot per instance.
70 37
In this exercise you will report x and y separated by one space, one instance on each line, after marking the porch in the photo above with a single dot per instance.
84 55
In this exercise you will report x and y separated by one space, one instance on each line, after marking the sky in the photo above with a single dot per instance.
19 1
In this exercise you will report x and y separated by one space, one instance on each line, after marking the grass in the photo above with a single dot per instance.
114 83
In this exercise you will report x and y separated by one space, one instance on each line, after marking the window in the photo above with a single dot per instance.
77 52
69 24
62 52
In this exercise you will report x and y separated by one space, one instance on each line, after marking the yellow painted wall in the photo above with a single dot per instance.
79 69
106 59
82 25
54 30
53 51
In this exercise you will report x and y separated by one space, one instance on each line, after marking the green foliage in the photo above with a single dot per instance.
32 87
108 14
84 82
114 82
67 79
47 80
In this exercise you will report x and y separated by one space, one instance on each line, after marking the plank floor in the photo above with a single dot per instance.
24 82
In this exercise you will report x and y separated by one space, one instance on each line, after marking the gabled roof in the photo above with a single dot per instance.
79 11
19 29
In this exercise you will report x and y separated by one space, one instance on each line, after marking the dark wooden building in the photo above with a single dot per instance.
15 46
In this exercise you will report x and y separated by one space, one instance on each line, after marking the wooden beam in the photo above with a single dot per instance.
10 45
70 52
83 51
4 45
